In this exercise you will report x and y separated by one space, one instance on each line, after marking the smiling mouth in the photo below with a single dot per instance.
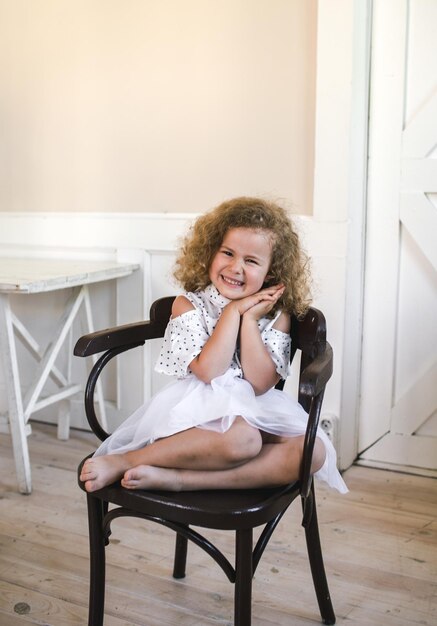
230 281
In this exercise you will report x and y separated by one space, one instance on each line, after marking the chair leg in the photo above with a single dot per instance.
243 577
97 561
317 567
180 557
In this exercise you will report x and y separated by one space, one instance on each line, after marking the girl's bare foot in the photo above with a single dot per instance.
151 477
100 471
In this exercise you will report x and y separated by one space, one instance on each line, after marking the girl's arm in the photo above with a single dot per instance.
217 353
258 366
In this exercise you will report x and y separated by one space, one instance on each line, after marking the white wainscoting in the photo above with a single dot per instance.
150 240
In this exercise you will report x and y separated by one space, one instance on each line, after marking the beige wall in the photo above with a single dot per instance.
332 234
155 105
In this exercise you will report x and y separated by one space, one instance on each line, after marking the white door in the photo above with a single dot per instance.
398 409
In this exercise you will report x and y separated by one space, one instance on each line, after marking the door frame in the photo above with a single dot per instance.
340 186
357 234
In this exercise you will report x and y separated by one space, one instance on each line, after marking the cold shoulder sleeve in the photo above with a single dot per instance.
184 339
278 344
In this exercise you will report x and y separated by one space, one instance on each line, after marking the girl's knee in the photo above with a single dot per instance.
241 443
319 455
289 469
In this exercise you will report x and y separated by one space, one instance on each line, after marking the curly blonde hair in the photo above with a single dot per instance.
289 264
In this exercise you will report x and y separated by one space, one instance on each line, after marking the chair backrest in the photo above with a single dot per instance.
308 335
160 311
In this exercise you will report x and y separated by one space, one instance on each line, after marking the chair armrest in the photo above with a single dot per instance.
311 389
114 341
116 337
130 334
316 374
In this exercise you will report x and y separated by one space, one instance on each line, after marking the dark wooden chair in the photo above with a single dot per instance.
240 511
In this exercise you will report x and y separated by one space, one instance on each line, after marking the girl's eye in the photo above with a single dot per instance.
227 252
252 261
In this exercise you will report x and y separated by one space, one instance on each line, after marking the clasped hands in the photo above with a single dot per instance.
258 304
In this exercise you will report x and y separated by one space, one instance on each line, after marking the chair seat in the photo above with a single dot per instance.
226 509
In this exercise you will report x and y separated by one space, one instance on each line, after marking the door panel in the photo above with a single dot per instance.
399 382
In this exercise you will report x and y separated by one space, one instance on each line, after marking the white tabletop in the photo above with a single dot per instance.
19 275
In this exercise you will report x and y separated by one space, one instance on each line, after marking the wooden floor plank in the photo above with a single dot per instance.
379 542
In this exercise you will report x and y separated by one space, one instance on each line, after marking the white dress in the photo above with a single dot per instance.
188 402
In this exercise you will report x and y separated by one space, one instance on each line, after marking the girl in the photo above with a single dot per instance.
222 424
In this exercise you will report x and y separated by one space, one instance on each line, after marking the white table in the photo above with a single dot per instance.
28 276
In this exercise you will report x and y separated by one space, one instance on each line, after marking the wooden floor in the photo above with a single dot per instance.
380 547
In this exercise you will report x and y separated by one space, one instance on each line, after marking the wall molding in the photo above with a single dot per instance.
151 231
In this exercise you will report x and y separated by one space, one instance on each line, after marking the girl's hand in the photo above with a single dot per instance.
258 304
264 306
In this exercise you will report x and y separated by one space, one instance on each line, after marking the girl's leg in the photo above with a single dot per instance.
276 464
195 448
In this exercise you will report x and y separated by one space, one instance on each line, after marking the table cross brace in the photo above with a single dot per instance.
21 410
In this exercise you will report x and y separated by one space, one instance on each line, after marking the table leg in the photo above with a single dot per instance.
15 403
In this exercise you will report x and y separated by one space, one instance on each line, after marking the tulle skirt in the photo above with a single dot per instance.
188 402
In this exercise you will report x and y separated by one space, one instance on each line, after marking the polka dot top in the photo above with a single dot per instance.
186 335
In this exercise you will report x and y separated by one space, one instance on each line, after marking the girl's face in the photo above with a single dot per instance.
241 264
